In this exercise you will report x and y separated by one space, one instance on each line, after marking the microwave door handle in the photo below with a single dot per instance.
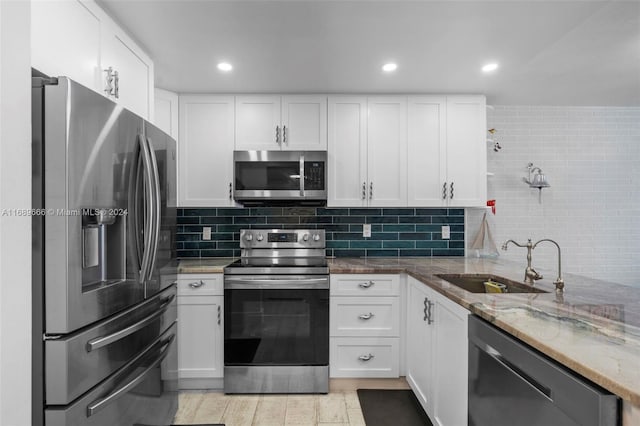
157 208
302 175
148 195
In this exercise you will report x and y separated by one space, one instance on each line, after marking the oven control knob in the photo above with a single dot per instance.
305 237
316 237
260 237
248 237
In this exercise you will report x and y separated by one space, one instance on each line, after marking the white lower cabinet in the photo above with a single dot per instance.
437 350
200 331
364 356
364 326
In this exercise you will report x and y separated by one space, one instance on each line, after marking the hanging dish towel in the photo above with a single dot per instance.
483 243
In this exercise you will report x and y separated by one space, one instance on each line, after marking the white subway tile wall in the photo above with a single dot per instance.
591 157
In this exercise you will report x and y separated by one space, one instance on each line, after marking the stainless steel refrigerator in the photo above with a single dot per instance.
104 268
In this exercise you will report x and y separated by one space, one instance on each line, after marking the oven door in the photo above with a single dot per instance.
276 320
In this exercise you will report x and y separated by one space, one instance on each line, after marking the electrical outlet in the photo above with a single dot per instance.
206 233
446 232
366 230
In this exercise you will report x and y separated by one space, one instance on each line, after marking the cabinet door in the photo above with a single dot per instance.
304 123
387 151
427 153
205 151
258 123
466 150
166 112
419 343
65 40
200 337
347 151
135 71
450 373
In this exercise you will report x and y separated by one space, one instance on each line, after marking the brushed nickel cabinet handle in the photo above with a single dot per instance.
278 135
366 316
444 191
451 191
429 318
364 190
116 85
219 314
196 284
366 357
371 190
366 285
230 191
426 304
284 134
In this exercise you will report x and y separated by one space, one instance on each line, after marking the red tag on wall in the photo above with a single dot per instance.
492 204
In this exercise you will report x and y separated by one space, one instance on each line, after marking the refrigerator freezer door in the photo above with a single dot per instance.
75 363
141 392
90 161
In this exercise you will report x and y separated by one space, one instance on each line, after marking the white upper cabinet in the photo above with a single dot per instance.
79 40
271 123
447 151
466 151
258 123
166 112
205 151
304 123
427 150
135 71
58 48
367 151
347 151
387 151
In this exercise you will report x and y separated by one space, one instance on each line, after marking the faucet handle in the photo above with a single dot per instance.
536 275
559 283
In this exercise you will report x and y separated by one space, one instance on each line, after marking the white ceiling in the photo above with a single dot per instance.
550 52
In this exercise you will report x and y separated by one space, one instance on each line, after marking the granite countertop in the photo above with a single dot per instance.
592 328
205 265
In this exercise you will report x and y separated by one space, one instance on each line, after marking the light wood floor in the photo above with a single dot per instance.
339 407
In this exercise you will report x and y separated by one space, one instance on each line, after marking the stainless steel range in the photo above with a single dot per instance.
276 300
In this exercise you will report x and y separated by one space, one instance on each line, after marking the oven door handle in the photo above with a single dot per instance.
236 283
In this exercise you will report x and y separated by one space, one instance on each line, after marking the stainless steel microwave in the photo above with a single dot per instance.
266 177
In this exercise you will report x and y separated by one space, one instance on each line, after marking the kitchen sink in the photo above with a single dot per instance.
474 283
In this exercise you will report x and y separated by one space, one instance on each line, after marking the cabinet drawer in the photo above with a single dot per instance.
365 285
364 357
365 316
200 285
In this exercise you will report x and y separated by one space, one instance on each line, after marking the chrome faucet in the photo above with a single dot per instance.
530 274
559 282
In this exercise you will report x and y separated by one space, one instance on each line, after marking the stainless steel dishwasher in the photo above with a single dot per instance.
512 384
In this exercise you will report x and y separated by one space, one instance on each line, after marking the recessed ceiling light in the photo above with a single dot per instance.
389 67
490 67
225 66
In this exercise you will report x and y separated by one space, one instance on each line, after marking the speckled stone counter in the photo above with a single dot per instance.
205 265
593 328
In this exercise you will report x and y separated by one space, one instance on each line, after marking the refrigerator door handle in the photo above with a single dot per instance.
103 341
149 198
101 403
157 207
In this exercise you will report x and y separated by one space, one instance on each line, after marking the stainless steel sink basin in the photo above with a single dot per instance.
474 283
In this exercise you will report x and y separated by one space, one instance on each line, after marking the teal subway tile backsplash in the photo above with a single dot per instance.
394 231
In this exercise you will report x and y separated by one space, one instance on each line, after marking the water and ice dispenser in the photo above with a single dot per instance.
103 246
